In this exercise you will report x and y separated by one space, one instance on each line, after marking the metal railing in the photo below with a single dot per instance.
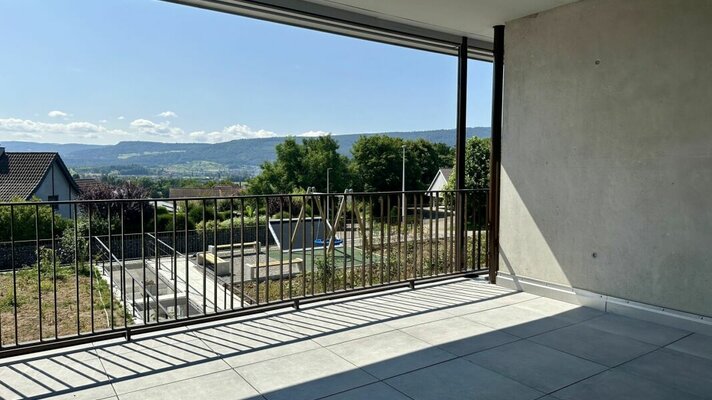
254 253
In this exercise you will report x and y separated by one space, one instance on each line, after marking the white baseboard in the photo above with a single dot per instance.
660 315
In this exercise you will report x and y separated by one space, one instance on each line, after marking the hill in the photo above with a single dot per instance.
235 154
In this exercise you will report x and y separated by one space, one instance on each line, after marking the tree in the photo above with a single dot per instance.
123 191
377 163
30 222
477 164
301 165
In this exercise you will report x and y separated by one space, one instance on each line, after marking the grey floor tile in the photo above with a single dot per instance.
333 324
695 344
618 385
390 353
594 345
236 338
496 300
308 375
560 309
221 385
418 318
517 321
58 375
536 366
674 369
374 391
459 336
251 356
459 379
135 370
643 331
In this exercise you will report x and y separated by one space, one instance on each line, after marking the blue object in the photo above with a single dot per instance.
320 242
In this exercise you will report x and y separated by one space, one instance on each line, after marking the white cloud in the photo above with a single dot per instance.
138 129
168 114
62 132
314 133
56 114
233 132
162 129
121 117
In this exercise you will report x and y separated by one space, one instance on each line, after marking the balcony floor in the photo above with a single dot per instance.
461 339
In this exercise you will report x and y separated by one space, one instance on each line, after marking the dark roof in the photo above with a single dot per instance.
22 173
446 172
85 184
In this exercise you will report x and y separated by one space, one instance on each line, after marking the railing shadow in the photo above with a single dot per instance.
123 364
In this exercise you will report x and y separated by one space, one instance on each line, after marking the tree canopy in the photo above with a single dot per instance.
477 164
301 165
377 163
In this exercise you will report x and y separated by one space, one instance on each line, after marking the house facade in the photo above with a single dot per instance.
28 175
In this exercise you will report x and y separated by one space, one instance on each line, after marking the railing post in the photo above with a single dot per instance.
496 155
460 224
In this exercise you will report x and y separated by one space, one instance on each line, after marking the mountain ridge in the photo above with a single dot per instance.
232 154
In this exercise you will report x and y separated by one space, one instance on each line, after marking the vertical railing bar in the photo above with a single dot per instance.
123 263
111 266
242 252
463 234
39 268
157 261
267 263
76 265
380 199
364 243
345 269
287 240
232 252
281 253
475 233
453 239
91 271
398 236
388 237
430 233
174 260
415 236
422 238
446 221
14 271
304 247
143 261
187 262
332 237
353 245
54 270
405 235
205 260
370 241
215 264
257 235
324 220
479 238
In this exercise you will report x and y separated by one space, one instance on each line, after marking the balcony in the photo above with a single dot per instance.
461 338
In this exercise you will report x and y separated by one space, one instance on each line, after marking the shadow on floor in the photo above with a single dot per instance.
460 339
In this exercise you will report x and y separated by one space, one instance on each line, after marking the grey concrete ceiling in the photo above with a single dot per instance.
473 18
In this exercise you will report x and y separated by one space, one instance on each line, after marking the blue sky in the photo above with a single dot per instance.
104 71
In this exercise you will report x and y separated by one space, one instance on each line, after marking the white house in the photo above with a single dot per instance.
439 182
26 175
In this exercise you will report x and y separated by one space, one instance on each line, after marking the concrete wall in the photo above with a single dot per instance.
607 150
55 183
